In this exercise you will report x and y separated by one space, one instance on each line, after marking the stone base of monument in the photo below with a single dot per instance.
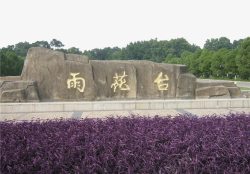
18 91
102 109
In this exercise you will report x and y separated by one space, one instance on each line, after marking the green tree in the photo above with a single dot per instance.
218 58
174 60
22 48
243 59
10 63
194 63
205 62
218 63
158 51
42 43
216 44
104 54
74 50
56 44
237 43
231 68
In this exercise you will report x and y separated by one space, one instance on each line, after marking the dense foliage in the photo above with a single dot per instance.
153 50
218 58
10 63
184 144
214 60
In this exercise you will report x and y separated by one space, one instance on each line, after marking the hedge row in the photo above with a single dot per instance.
184 144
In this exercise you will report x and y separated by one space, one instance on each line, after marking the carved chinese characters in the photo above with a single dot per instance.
76 82
120 82
161 82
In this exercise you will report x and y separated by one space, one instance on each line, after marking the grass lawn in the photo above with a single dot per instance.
244 88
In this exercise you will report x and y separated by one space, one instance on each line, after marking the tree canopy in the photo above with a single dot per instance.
218 43
56 43
218 58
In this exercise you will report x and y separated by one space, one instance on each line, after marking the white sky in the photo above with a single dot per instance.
88 24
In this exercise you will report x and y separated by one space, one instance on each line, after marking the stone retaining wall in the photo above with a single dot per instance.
123 105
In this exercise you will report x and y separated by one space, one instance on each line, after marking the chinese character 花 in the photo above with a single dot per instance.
120 82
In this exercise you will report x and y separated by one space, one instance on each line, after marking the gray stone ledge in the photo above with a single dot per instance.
123 105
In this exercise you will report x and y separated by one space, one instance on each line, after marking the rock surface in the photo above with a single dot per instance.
212 92
246 94
10 78
51 69
204 83
13 95
157 80
104 80
107 73
18 91
235 92
50 75
231 87
186 86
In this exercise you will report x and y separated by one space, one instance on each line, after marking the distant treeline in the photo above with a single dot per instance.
219 58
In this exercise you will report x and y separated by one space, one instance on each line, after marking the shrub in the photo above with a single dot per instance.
184 144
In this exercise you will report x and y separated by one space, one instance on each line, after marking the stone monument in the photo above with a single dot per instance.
50 75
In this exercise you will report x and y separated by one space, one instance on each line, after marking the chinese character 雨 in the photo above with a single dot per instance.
160 81
76 82
120 82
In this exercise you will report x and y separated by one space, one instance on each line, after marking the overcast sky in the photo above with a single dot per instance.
89 24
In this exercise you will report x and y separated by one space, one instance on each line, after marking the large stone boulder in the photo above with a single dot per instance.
52 70
157 80
231 87
205 83
235 92
50 75
186 86
145 79
18 91
246 94
102 80
212 92
13 95
114 80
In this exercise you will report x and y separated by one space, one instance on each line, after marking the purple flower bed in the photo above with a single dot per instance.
183 144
